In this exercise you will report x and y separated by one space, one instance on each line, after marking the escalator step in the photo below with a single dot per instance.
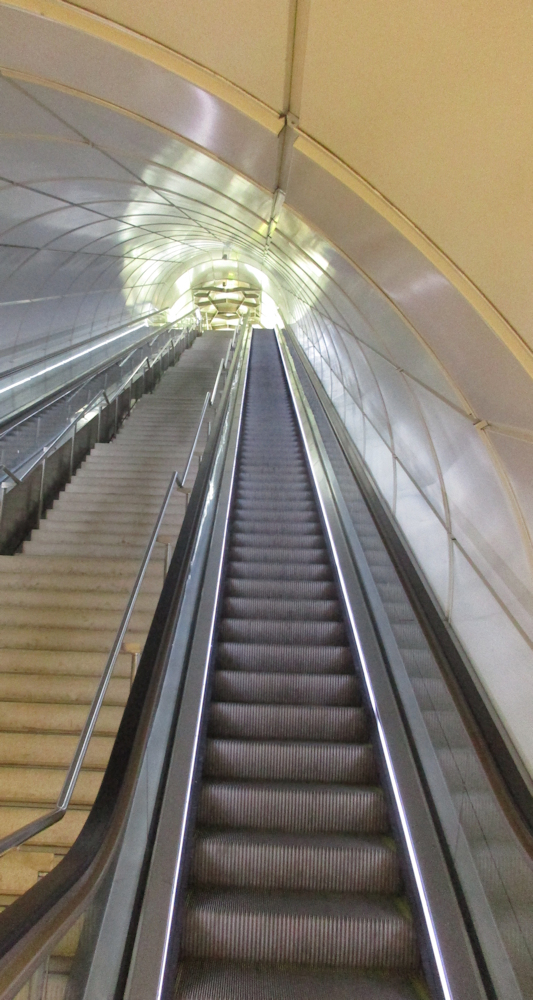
242 981
319 863
288 722
252 517
280 761
244 568
271 554
284 658
254 540
280 610
278 526
273 505
288 590
293 807
294 928
303 633
278 689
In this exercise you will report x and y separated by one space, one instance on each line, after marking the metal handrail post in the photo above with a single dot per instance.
217 380
196 436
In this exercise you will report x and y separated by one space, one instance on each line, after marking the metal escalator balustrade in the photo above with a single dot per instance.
293 861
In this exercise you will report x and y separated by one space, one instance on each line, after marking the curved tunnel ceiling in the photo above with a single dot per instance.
133 155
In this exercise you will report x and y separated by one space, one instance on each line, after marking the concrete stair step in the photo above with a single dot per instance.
123 477
20 719
109 504
57 520
116 585
100 535
61 834
66 564
42 751
62 663
42 785
19 870
66 639
118 551
81 618
141 488
19 597
38 689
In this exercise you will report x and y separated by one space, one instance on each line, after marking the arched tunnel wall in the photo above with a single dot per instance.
126 160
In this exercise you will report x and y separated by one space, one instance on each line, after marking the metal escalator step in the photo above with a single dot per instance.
284 658
286 761
274 506
279 525
252 518
242 981
276 609
293 807
256 476
277 689
307 541
249 553
287 722
288 590
303 633
245 569
316 863
299 928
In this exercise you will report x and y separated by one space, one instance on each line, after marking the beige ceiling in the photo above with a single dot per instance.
429 102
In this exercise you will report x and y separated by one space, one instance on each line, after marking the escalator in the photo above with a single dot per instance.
264 828
295 886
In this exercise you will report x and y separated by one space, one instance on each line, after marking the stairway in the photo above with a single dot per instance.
62 599
295 887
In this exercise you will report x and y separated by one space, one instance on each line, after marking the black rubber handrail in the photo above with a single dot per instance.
511 785
35 921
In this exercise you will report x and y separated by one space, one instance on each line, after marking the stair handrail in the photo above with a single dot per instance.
45 451
24 833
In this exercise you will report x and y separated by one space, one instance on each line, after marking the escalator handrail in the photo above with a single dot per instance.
36 921
453 965
510 783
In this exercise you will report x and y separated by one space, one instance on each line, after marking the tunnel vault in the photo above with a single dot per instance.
131 165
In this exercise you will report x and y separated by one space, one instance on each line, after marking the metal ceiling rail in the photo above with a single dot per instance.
24 833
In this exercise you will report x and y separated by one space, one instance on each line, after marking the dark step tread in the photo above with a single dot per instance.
288 722
288 590
217 980
244 568
311 863
280 609
285 658
293 689
287 761
264 631
293 807
299 928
